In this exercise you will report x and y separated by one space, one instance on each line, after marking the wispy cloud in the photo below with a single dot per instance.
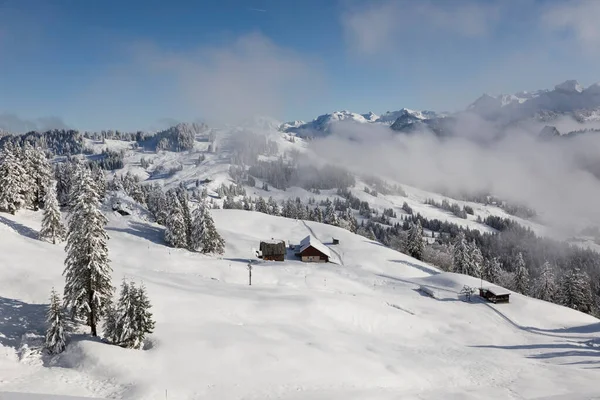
13 123
257 9
250 76
384 24
578 18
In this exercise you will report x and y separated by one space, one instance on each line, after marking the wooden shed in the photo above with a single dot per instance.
311 250
495 294
272 250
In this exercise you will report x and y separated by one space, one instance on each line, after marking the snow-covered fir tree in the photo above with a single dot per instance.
545 286
319 215
415 246
576 291
352 222
111 328
100 180
205 233
476 260
186 212
144 323
521 280
56 337
461 255
261 206
15 187
331 216
130 321
88 287
157 204
491 270
175 227
41 174
25 154
273 206
53 229
126 315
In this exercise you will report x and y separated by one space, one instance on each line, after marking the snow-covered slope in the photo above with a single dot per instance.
357 330
567 98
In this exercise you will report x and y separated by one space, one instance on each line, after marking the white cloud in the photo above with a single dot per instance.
251 76
578 17
384 24
552 177
13 123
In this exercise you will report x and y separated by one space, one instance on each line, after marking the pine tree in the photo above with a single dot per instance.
88 288
41 174
175 232
476 260
415 244
576 291
157 204
25 154
144 324
56 338
198 228
521 282
352 222
52 228
128 324
545 288
273 206
461 255
100 180
261 206
14 187
318 214
210 240
111 327
331 217
186 212
126 314
491 271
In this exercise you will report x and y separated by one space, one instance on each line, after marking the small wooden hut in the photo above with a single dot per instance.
495 294
311 250
272 250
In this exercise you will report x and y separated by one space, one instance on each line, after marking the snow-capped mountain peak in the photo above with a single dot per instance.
371 116
570 86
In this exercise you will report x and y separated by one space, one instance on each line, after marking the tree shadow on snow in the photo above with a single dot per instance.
18 318
152 233
20 228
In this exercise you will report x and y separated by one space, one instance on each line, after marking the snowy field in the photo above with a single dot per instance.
357 329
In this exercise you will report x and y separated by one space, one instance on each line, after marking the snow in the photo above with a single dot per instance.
357 330
570 86
498 291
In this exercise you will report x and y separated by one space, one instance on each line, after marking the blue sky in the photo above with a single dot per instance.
136 64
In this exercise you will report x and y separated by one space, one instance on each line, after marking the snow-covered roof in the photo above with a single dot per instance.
497 291
310 241
272 241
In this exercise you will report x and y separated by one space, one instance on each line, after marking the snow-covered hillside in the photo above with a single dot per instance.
360 329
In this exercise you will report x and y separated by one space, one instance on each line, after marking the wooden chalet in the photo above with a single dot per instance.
272 250
311 250
495 294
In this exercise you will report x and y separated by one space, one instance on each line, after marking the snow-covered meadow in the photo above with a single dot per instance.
356 329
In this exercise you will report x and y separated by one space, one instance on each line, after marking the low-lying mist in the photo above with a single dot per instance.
552 176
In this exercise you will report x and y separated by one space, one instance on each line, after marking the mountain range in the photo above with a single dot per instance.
568 99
